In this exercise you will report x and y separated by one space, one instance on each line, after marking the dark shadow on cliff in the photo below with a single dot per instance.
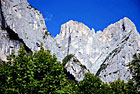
2 20
11 34
70 77
14 36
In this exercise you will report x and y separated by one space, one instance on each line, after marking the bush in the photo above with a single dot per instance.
119 87
28 74
93 85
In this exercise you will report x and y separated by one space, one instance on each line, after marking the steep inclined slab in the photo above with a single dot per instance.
24 20
8 39
127 43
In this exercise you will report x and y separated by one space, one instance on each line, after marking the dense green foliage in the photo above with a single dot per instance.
41 73
119 87
134 67
36 73
93 85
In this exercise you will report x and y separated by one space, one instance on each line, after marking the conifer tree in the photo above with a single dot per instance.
134 67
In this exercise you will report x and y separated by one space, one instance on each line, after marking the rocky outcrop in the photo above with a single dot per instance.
26 21
105 54
7 45
123 45
74 66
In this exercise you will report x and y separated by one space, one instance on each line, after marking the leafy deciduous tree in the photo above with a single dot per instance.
36 73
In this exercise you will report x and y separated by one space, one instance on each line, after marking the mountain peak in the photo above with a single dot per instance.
74 27
105 54
101 48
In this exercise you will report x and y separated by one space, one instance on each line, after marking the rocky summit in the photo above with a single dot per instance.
104 53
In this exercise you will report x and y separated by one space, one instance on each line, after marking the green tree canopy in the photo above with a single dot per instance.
93 85
134 67
119 87
39 72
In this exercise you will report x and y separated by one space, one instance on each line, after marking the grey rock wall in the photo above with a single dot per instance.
7 45
124 44
24 20
106 53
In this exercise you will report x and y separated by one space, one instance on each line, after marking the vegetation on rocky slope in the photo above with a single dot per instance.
134 67
41 73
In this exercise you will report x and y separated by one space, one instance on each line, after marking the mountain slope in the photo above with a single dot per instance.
105 54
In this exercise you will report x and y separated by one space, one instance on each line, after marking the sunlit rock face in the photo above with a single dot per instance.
24 20
104 53
123 44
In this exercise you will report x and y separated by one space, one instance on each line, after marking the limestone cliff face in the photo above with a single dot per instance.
105 54
124 43
7 45
25 21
